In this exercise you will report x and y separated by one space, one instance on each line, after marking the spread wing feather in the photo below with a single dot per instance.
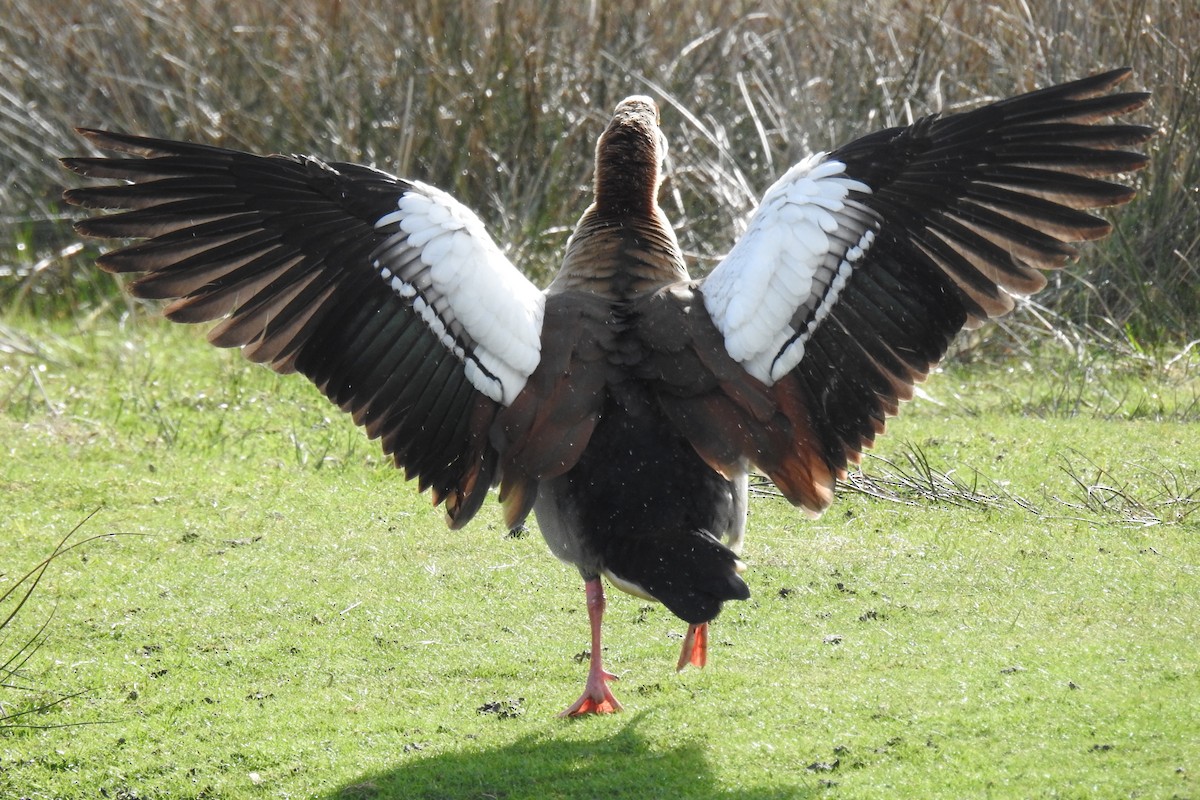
860 266
388 294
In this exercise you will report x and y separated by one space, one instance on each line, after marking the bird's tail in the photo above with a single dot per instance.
689 572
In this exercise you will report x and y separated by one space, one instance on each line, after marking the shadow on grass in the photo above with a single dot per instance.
622 766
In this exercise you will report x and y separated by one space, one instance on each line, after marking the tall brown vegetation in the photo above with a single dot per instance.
500 101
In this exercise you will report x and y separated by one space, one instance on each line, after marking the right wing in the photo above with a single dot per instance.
388 294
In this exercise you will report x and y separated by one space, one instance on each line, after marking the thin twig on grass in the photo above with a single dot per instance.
11 677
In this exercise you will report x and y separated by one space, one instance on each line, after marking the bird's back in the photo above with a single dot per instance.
640 505
642 508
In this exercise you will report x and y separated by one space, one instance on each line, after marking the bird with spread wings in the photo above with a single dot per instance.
626 403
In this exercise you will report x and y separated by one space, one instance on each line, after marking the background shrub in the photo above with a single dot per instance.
499 102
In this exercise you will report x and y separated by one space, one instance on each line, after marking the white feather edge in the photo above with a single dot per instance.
471 282
755 291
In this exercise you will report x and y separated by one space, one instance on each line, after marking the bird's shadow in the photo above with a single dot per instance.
541 766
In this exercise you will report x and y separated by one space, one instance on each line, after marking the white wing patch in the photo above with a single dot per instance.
439 257
783 277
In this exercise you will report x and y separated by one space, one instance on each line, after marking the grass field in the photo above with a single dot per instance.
1006 603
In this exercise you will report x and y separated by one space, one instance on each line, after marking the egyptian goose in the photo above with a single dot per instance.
625 403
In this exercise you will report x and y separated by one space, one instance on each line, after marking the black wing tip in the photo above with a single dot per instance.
1125 102
1112 76
1097 83
104 264
75 197
143 147
89 226
91 133
115 140
1138 134
74 164
1097 88
94 166
1137 161
96 226
85 197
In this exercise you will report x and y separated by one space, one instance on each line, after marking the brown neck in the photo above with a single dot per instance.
627 179
623 247
626 187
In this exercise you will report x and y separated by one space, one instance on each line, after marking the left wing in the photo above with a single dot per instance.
388 294
860 266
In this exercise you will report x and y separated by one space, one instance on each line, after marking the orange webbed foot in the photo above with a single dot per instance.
695 647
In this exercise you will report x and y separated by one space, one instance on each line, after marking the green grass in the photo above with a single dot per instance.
1018 618
1002 604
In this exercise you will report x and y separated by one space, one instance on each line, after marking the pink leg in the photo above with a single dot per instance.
596 697
695 647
